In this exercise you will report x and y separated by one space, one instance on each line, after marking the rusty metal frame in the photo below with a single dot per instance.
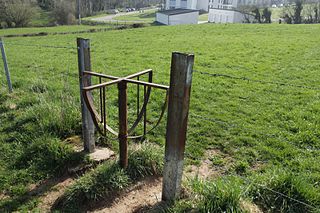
100 119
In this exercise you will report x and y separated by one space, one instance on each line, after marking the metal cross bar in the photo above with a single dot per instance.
127 79
124 131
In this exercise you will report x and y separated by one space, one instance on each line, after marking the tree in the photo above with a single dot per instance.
46 4
297 12
266 15
16 13
287 19
257 14
64 12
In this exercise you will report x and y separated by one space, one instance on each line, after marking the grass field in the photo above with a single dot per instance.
260 114
148 16
60 29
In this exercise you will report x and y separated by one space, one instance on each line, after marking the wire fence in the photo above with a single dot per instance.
64 76
43 69
251 182
256 80
38 45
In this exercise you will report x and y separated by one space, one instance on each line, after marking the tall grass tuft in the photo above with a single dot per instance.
109 177
144 161
94 185
222 195
47 155
214 196
284 191
60 119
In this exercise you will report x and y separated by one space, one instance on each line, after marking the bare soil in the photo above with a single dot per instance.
58 188
141 197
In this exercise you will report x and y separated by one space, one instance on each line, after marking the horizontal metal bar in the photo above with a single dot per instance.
113 77
102 85
100 75
138 73
159 86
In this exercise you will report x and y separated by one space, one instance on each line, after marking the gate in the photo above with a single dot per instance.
177 98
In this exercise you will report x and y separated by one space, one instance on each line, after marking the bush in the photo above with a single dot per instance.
15 13
63 12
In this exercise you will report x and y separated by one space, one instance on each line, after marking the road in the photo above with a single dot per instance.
110 18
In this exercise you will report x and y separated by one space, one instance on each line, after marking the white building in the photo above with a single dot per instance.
229 16
177 16
184 4
213 4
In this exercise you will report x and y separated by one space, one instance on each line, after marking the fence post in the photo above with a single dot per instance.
123 124
84 64
6 68
178 109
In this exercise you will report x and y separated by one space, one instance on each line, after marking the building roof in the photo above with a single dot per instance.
177 11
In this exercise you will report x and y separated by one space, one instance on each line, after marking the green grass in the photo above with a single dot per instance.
221 195
259 126
110 178
60 29
147 16
203 17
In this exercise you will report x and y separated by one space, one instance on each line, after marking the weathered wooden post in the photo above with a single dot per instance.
6 68
123 123
178 109
84 64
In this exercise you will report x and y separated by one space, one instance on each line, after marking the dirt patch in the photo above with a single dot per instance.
250 207
207 169
143 195
49 198
3 196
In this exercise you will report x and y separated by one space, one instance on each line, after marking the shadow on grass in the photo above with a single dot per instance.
59 174
160 206
100 187
10 205
112 198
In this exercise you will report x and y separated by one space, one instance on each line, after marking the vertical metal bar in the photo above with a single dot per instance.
138 96
104 110
179 98
6 68
145 112
101 104
123 124
84 81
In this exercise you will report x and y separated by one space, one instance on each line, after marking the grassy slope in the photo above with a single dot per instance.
60 29
146 16
274 126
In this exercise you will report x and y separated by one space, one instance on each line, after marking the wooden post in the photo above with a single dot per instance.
84 64
178 109
123 124
6 68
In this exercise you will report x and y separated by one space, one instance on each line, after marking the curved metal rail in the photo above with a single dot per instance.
99 120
